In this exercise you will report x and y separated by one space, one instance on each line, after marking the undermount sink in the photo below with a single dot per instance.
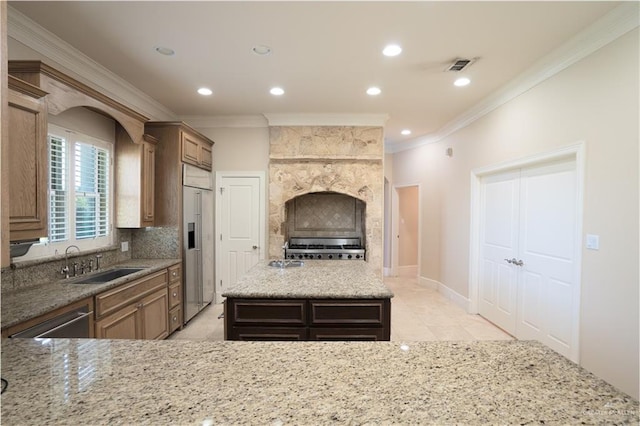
286 263
106 276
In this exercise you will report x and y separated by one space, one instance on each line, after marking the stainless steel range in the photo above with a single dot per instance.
328 248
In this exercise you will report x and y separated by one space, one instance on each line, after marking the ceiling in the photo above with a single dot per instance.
323 54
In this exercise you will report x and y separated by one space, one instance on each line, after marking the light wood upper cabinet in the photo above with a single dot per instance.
27 152
177 144
196 149
134 180
148 179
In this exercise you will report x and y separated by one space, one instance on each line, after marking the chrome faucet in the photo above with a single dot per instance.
65 269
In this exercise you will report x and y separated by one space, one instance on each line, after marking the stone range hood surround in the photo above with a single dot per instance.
341 159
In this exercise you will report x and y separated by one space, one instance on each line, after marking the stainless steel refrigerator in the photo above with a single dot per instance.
197 244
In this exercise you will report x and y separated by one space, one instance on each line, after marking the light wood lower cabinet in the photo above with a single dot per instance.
175 298
120 325
135 310
155 317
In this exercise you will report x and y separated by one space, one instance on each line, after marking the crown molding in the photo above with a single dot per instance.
327 119
83 68
208 122
610 27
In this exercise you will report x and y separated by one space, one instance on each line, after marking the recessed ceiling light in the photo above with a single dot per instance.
205 91
406 132
392 50
277 91
167 51
462 81
373 91
261 49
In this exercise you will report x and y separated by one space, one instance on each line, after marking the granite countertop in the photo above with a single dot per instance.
26 303
90 381
315 280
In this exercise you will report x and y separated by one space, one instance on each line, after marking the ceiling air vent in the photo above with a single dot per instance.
460 64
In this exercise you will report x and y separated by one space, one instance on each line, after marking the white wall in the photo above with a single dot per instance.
595 101
239 149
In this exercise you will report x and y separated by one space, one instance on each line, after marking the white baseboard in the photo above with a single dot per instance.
454 296
408 271
447 292
429 283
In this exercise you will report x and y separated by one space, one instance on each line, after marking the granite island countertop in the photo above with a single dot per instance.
23 304
127 382
315 280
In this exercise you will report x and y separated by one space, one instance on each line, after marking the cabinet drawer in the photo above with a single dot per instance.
175 319
268 333
112 300
269 312
346 312
175 295
347 334
175 273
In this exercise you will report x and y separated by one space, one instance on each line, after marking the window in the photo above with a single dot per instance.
80 196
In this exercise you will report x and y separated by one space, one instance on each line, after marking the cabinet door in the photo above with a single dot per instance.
154 315
190 148
206 156
148 184
27 152
122 324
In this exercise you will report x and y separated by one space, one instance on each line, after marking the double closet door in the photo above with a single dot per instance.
529 279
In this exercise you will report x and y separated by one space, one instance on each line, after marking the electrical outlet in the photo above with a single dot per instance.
124 246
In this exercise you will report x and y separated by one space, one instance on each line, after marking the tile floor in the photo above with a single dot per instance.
418 313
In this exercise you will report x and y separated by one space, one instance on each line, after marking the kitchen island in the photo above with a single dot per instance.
321 300
96 382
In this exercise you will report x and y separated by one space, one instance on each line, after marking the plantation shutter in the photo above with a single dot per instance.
58 224
92 191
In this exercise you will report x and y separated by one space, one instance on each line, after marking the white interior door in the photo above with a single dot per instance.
528 280
240 227
547 249
499 241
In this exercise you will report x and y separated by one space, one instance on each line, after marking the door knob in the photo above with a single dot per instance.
514 261
255 247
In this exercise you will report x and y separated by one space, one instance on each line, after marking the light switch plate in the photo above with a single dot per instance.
124 246
593 242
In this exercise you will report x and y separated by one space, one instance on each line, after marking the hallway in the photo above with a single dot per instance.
418 313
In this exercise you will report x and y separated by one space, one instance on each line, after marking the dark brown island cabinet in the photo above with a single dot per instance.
307 319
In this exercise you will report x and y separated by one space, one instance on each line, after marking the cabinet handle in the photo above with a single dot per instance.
174 273
175 319
175 294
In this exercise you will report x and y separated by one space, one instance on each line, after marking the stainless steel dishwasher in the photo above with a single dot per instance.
72 324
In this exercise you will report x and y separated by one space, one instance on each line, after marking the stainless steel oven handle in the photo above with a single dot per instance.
76 319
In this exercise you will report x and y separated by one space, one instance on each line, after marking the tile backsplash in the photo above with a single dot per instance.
325 214
22 274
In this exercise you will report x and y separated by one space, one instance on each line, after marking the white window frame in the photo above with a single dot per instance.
45 248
